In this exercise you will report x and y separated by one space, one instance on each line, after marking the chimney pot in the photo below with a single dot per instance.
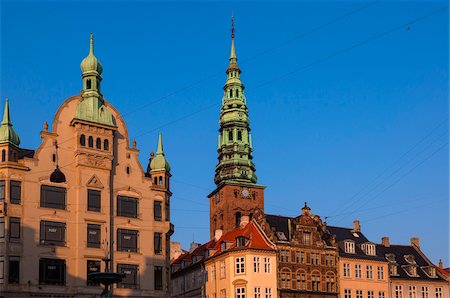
415 241
356 226
441 265
245 219
217 234
385 241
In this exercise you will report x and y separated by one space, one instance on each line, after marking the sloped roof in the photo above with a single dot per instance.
400 251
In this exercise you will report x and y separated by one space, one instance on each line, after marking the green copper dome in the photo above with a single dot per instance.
159 162
91 63
7 132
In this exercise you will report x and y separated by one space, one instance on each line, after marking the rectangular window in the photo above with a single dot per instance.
306 238
2 190
257 292
127 206
240 292
15 191
53 197
266 265
346 270
398 292
223 293
157 209
256 264
131 276
240 266
53 233
93 235
158 243
14 229
94 200
424 292
14 270
347 293
370 294
167 211
381 294
380 272
284 256
158 278
412 292
350 247
52 272
127 240
359 294
438 292
358 272
268 292
369 271
92 267
222 269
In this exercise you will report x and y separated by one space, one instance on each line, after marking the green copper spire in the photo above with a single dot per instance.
7 132
92 107
234 142
159 162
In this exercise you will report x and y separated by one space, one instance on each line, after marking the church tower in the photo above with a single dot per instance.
236 194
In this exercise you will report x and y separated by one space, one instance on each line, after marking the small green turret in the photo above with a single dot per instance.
7 132
159 162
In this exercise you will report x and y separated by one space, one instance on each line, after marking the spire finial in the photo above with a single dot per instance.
160 150
232 25
233 57
6 115
91 44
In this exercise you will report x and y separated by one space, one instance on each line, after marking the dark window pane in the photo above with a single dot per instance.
158 243
127 240
158 278
127 206
53 197
14 228
52 272
53 233
92 266
131 276
167 212
15 192
94 200
93 235
157 206
2 227
2 189
14 270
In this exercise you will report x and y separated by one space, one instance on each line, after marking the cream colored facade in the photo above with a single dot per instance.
224 280
57 238
364 278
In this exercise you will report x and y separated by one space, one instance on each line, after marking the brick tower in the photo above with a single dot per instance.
236 193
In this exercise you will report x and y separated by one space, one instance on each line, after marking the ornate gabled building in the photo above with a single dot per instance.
82 197
307 254
237 194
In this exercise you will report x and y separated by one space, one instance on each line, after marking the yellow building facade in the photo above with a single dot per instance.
82 197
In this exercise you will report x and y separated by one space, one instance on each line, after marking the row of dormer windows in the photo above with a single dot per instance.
98 143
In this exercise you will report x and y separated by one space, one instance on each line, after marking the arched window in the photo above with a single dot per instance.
82 140
230 135
301 279
105 145
3 155
285 276
160 180
237 92
231 93
330 282
315 278
88 84
98 143
155 181
128 170
238 216
91 142
239 136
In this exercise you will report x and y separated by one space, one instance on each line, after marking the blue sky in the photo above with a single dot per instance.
361 135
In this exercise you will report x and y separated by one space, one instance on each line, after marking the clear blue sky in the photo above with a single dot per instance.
320 135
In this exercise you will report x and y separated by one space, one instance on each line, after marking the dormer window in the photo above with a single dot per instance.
411 270
390 258
349 247
223 246
430 271
241 241
410 259
369 249
393 269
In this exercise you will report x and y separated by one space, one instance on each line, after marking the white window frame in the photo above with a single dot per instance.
256 264
369 272
346 267
239 265
358 271
223 272
268 292
380 272
240 292
349 247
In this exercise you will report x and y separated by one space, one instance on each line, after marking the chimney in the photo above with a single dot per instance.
415 241
441 266
356 226
193 246
245 219
385 241
218 234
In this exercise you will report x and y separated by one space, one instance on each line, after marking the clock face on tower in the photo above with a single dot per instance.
245 193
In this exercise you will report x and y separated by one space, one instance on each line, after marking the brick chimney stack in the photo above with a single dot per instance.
356 226
385 241
415 241
218 234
